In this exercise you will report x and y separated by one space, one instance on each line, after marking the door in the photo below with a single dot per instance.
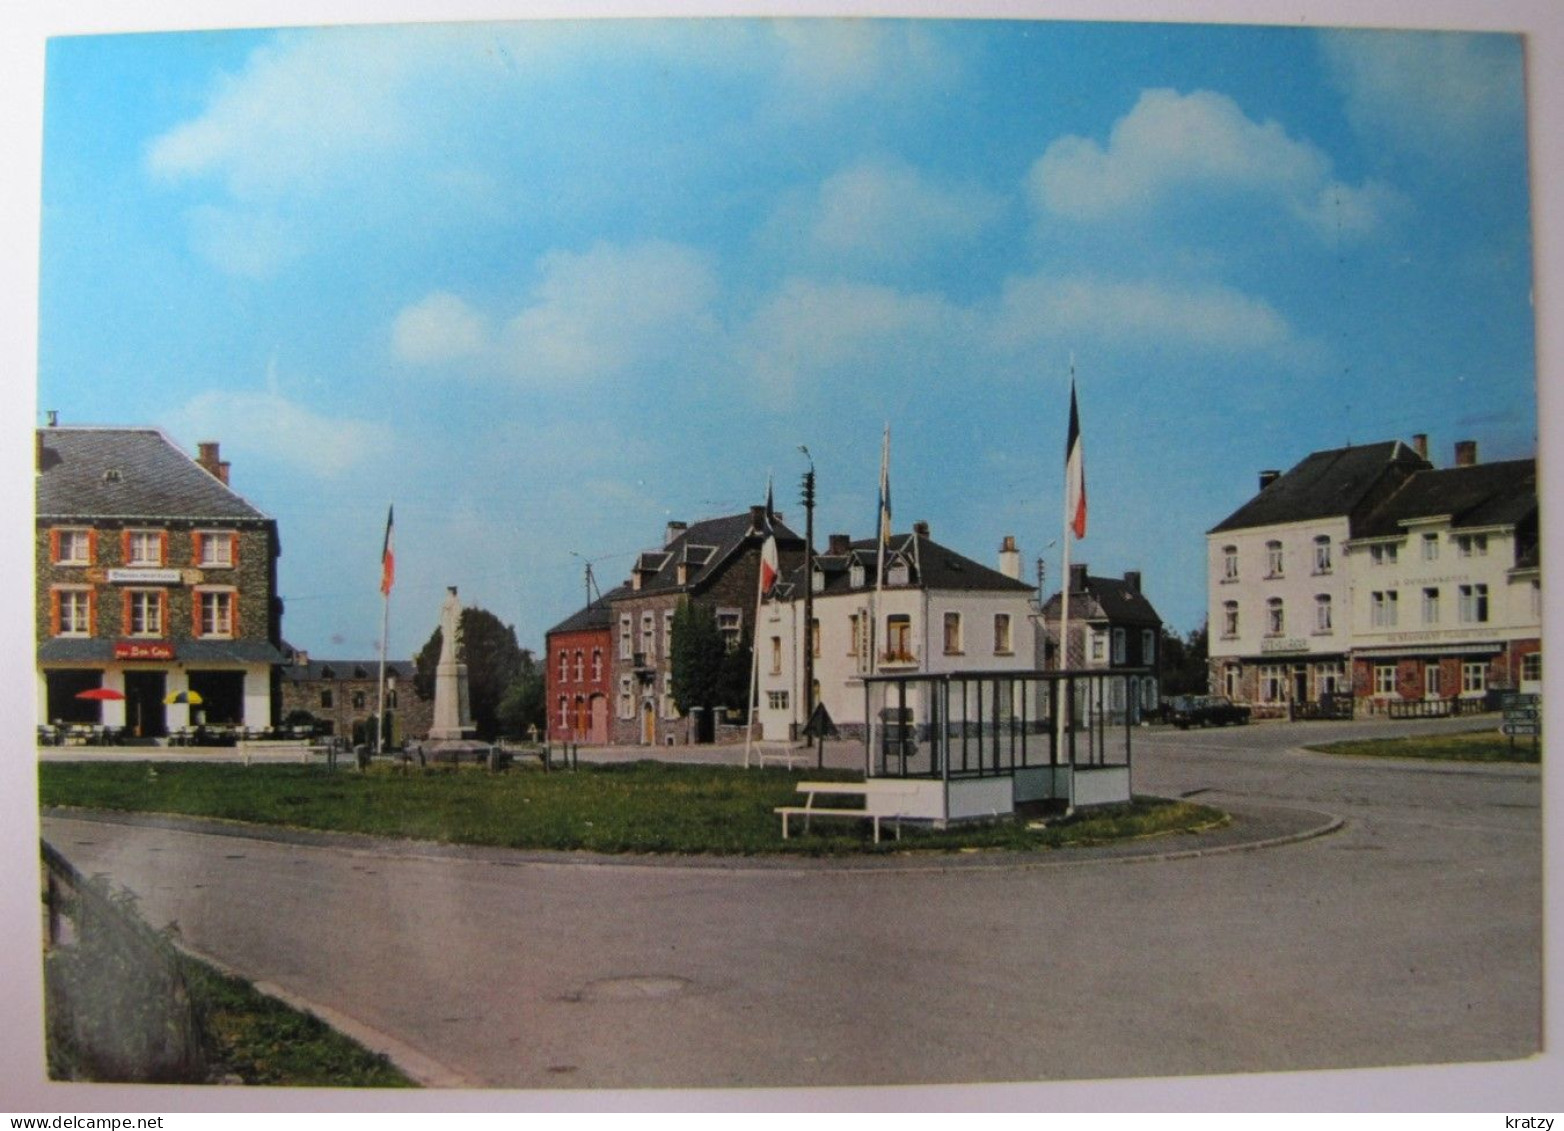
648 723
1300 684
145 715
599 733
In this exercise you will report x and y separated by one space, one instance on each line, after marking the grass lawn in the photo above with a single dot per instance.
1468 746
637 807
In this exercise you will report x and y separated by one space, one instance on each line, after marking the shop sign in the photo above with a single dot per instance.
125 650
146 576
1286 644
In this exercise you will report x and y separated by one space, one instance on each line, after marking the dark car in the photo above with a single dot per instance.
1185 711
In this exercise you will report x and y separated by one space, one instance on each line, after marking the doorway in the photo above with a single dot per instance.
145 716
648 723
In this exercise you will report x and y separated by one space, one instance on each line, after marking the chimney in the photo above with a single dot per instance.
674 530
301 657
1466 453
1132 580
208 458
921 528
53 417
840 545
1077 577
1268 477
1420 444
1010 558
757 517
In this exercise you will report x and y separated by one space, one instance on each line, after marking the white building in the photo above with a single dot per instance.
937 612
1352 573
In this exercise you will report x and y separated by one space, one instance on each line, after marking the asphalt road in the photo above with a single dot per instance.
1411 935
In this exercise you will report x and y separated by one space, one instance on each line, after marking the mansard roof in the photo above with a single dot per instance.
1329 484
128 473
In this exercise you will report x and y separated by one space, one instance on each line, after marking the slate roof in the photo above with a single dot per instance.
1484 494
931 566
317 670
1106 598
128 473
596 615
703 548
1324 485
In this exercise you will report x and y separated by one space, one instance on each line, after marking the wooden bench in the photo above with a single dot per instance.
858 789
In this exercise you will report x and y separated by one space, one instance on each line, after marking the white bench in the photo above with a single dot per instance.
782 752
859 789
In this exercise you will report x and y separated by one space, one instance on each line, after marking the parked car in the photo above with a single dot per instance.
1185 711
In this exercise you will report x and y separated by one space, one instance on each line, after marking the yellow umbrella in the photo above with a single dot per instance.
183 697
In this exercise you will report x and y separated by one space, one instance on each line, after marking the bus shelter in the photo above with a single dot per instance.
970 745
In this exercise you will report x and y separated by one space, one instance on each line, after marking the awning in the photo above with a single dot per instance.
1454 648
74 650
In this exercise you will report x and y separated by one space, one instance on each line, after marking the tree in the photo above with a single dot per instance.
698 655
522 705
494 661
1184 662
736 680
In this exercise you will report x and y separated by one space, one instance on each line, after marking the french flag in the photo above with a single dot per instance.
388 555
1074 474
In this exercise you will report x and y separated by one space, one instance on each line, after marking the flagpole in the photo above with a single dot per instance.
754 636
387 573
882 536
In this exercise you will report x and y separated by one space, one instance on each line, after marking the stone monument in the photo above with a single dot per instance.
451 735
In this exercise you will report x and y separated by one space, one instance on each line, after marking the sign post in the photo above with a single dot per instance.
1522 715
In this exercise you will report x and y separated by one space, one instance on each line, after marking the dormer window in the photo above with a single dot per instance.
896 572
855 575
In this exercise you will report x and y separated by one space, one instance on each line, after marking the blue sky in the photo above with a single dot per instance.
548 286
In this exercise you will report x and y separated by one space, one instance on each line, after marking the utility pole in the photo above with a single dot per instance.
809 585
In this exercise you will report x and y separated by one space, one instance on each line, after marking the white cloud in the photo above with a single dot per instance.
809 327
592 315
1170 144
268 428
887 210
253 243
1202 316
1436 93
825 59
438 329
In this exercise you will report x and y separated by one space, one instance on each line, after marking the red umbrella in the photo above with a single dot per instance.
100 693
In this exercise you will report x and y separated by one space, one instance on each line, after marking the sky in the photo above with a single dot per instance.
547 286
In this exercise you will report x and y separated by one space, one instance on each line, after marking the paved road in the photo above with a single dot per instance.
1411 935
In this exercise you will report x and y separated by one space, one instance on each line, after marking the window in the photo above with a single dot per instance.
626 698
1474 678
597 665
215 549
777 700
1099 644
668 633
898 637
1384 679
1230 619
1328 676
580 666
144 547
1273 683
358 700
1148 647
1273 559
952 634
144 612
564 713
326 698
1383 554
1474 604
855 577
1536 600
1531 667
814 636
1430 547
1472 545
1322 614
896 572
1120 645
625 650
1383 608
1275 617
391 698
564 667
776 655
648 636
1431 680
73 612
730 623
216 610
73 546
854 627
1002 645
1229 563
1322 554
1232 679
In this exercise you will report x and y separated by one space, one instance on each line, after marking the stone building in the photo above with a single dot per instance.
153 578
343 695
1112 625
